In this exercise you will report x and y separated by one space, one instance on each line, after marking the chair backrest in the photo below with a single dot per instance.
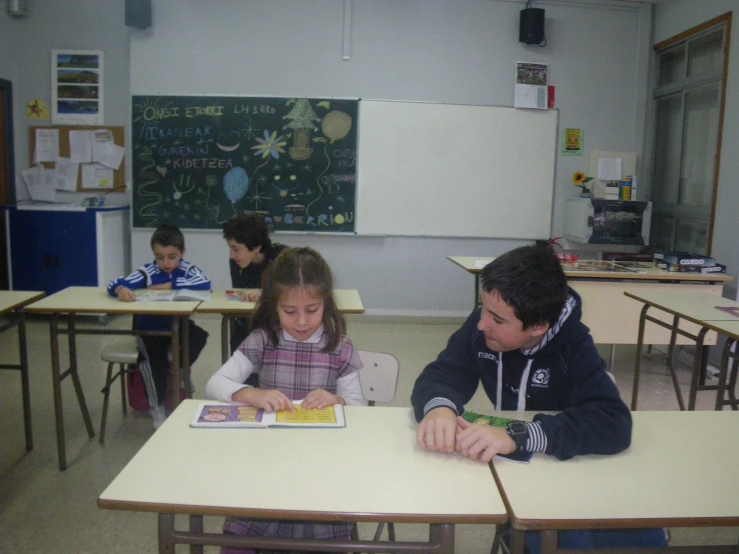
379 376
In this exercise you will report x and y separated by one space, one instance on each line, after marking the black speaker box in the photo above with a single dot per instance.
138 14
531 26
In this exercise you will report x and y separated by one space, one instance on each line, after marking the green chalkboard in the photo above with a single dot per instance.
199 160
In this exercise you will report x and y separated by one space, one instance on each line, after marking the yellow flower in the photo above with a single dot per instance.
579 179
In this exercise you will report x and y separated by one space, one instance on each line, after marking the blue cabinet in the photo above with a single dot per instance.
54 249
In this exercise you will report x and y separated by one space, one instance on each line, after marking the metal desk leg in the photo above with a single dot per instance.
722 375
637 362
56 381
186 357
25 381
175 384
697 367
518 541
196 526
732 358
166 534
672 353
443 534
225 337
76 377
548 542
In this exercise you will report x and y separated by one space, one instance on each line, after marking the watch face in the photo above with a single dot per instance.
517 427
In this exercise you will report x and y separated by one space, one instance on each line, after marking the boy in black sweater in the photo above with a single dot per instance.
528 347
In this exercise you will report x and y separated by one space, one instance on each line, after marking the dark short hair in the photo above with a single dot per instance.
168 235
531 280
249 229
297 268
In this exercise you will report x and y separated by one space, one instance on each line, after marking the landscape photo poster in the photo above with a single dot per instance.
77 87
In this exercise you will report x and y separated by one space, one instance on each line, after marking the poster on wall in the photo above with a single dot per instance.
77 87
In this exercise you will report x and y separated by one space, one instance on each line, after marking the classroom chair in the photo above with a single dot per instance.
379 379
125 353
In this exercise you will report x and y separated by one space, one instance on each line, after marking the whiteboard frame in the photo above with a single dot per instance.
431 159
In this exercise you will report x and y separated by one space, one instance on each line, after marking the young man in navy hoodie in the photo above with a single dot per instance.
528 347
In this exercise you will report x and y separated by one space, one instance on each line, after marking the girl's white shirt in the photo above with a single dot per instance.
233 374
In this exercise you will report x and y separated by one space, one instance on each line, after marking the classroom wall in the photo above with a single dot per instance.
424 50
672 18
419 50
26 49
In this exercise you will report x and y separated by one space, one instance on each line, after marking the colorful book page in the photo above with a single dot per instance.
301 416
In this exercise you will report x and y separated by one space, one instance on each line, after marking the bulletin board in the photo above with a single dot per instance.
119 175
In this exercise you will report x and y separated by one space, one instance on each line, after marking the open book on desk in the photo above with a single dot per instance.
496 421
191 295
238 416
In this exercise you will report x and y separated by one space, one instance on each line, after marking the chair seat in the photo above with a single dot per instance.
121 352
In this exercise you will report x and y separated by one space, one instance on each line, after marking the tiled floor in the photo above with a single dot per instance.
44 510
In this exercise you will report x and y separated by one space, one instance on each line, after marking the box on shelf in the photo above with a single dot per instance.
685 268
682 258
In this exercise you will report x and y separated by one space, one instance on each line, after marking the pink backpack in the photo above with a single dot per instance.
137 398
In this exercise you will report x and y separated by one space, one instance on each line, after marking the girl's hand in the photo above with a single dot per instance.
482 442
251 295
320 398
163 286
270 400
126 295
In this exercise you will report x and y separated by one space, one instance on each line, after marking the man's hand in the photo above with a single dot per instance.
125 294
482 442
438 430
270 400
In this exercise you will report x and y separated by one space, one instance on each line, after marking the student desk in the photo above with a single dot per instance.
347 300
372 470
611 318
11 304
95 300
700 309
678 472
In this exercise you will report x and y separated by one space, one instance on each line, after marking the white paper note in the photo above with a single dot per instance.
47 145
66 174
102 139
40 183
112 156
95 176
609 169
80 146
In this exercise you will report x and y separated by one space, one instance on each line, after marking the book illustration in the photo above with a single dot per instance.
520 456
237 416
148 295
733 310
233 295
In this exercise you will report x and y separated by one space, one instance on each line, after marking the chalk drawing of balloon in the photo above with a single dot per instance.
289 218
336 125
235 184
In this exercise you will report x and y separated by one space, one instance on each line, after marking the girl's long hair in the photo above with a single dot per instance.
299 268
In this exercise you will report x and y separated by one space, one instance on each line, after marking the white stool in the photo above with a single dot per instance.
125 353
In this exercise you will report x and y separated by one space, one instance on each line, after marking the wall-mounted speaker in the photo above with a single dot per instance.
18 8
531 26
138 14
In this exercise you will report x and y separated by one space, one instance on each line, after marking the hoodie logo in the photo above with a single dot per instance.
540 378
487 356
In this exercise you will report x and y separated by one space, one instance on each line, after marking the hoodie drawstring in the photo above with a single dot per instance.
522 387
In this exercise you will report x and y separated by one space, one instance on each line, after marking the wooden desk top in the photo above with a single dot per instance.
372 470
698 307
347 300
95 300
674 474
474 265
13 299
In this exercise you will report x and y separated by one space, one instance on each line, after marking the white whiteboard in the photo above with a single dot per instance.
455 171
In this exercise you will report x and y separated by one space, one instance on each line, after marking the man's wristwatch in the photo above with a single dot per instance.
519 432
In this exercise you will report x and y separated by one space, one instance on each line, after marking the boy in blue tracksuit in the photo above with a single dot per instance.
168 271
529 349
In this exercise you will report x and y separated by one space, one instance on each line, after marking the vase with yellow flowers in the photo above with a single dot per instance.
579 179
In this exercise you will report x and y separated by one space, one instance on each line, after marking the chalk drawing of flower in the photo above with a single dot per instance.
270 145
